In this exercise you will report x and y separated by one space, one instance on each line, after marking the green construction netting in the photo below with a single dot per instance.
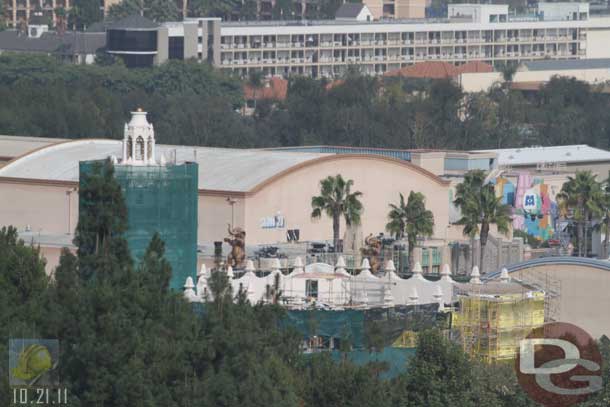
379 327
161 199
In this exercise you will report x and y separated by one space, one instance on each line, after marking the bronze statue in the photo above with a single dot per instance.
372 250
237 241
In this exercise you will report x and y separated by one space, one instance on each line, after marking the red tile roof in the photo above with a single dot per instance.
474 67
275 89
431 70
439 70
334 84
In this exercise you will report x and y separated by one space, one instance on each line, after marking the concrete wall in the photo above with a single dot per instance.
43 207
376 8
410 9
597 42
380 180
480 82
214 28
162 46
563 10
215 213
190 40
584 299
431 161
600 169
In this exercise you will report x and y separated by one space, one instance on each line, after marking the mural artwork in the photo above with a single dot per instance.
534 202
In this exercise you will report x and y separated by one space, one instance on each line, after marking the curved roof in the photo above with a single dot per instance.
220 169
573 261
15 146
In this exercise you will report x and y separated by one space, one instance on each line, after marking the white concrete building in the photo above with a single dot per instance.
472 32
531 75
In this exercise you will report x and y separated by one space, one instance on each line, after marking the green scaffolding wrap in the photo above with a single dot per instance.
161 199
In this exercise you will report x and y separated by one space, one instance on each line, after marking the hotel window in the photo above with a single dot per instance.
176 48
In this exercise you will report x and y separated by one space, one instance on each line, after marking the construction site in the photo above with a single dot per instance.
490 319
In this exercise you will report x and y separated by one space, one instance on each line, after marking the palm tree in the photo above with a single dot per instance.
397 219
580 199
255 81
480 208
413 219
604 206
336 199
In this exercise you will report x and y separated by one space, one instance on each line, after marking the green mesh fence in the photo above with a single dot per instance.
161 199
375 335
335 324
376 327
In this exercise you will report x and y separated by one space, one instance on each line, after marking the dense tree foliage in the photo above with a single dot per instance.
156 10
189 103
194 104
84 13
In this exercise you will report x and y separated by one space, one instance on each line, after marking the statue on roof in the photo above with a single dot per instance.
237 240
372 251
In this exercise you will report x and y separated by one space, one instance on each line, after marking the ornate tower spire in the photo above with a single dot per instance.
139 140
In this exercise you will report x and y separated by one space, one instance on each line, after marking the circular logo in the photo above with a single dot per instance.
559 365
530 200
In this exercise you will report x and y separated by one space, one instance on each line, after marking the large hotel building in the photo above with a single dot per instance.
481 32
472 32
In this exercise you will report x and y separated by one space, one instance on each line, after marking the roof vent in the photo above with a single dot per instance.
568 154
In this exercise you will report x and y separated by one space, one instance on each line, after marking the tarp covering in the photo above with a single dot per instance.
367 328
160 199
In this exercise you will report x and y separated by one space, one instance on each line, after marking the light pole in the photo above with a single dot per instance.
232 202
69 195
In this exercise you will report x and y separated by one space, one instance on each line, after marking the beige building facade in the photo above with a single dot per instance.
265 192
577 289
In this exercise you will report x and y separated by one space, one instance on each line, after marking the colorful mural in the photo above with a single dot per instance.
534 204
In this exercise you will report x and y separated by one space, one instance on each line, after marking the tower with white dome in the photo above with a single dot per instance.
161 198
139 140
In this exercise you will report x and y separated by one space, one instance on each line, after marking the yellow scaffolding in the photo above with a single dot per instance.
491 319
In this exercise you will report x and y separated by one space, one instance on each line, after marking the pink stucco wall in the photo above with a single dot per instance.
380 180
45 207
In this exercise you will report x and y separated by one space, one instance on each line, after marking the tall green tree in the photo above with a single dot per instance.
156 10
102 221
336 199
440 374
23 284
2 20
604 207
410 218
579 200
84 13
480 208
